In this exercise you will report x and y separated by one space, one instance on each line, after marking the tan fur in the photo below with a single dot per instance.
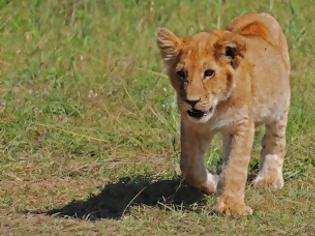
249 86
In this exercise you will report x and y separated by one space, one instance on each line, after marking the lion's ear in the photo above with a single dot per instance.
169 44
230 51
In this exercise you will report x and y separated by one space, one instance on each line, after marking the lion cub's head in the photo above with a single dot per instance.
201 69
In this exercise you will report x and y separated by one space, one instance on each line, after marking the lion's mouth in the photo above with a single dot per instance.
198 114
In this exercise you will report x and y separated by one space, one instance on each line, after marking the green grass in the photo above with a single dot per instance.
89 127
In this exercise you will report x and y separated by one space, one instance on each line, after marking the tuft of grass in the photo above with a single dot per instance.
87 113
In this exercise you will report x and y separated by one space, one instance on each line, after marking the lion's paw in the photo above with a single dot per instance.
211 184
272 181
270 176
231 207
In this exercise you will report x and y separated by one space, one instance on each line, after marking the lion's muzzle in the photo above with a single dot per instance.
198 114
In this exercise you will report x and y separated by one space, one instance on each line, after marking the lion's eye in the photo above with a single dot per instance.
181 74
208 73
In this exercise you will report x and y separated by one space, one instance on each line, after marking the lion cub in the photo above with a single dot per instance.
230 81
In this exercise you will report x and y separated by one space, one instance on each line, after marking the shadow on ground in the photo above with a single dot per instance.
116 198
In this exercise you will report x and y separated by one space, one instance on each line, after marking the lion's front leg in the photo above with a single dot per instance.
231 186
194 144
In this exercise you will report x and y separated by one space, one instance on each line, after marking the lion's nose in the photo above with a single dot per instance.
192 102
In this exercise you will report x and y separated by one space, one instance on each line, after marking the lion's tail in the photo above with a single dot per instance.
262 25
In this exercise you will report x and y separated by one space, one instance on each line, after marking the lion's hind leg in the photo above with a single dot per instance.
272 156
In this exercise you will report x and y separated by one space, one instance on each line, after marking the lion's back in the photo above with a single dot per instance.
267 52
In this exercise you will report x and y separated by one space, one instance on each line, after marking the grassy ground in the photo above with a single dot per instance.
89 128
